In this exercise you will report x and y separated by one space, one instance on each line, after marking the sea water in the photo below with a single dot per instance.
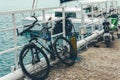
7 37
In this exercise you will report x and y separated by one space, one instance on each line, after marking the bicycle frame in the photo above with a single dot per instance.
50 49
36 47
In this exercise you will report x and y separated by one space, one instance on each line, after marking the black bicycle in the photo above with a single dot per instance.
33 57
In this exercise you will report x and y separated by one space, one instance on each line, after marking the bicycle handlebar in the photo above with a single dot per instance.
29 26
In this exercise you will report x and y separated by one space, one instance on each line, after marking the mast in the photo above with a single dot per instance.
33 4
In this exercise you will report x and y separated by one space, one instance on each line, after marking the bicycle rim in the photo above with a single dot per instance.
65 51
34 62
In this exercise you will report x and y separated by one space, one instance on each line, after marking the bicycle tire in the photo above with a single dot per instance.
42 74
61 52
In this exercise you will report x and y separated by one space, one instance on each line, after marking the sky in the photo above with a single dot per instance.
6 5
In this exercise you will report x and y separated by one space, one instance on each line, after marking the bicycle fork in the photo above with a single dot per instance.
35 57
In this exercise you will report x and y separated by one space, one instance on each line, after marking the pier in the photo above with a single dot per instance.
96 64
93 63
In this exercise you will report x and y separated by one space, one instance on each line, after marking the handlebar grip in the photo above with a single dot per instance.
21 33
17 32
27 25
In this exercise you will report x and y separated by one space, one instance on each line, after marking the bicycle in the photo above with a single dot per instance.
33 54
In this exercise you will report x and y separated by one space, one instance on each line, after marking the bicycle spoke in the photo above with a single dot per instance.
25 53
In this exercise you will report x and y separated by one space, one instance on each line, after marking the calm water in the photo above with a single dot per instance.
7 38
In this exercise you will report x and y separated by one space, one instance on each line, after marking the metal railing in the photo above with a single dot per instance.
13 14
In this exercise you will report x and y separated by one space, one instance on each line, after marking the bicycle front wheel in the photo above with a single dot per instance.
34 62
65 51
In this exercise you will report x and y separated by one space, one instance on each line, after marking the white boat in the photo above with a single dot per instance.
74 15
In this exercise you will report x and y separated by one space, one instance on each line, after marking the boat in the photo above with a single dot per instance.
76 14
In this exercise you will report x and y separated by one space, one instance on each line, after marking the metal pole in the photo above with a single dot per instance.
15 40
116 5
111 4
43 13
33 4
82 22
92 18
106 6
99 17
63 13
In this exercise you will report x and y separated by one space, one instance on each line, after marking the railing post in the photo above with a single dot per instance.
112 4
15 40
63 17
43 13
106 7
82 22
116 5
99 17
92 10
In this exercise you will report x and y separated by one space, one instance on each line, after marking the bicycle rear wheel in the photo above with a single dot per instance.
34 62
65 51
